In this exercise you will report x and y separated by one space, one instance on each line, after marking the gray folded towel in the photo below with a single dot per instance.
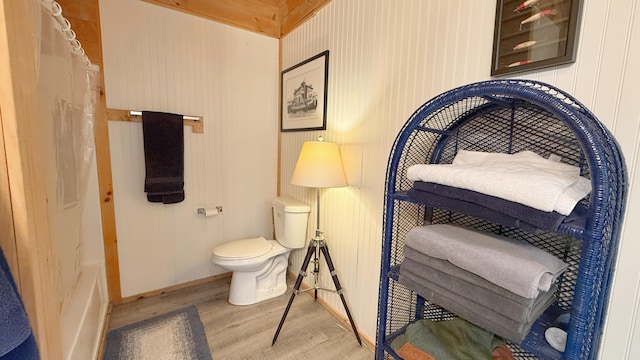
448 268
512 264
471 311
481 308
473 287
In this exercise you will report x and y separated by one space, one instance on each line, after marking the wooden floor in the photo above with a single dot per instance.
245 332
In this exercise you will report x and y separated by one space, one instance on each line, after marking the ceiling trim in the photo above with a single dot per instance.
253 15
295 12
274 18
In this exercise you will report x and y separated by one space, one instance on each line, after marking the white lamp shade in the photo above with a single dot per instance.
319 166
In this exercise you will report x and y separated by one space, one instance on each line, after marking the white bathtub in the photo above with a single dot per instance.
84 314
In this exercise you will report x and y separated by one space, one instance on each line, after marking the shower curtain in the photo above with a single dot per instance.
68 91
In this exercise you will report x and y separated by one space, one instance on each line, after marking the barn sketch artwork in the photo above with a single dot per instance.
303 102
304 95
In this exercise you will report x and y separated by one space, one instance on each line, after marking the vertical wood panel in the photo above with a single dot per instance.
162 60
24 162
83 16
7 231
387 58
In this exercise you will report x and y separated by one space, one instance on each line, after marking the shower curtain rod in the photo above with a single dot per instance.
56 12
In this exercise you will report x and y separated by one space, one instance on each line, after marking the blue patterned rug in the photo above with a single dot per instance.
177 335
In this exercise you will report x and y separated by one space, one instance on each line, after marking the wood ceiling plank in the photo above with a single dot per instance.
295 12
275 3
254 15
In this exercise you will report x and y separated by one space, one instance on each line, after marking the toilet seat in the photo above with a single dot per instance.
243 249
245 258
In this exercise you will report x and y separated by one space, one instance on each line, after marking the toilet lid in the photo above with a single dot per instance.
246 248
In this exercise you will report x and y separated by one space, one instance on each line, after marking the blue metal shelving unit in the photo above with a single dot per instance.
509 116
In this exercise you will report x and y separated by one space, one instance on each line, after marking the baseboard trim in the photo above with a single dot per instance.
174 287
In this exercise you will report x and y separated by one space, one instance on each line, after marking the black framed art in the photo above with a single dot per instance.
303 94
533 34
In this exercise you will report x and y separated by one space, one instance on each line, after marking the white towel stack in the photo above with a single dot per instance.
525 178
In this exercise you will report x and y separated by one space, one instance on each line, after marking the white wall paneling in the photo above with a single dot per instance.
387 58
382 66
162 60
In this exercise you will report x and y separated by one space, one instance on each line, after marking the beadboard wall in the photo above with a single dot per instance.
163 60
389 57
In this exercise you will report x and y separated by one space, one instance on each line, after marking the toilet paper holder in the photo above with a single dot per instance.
210 211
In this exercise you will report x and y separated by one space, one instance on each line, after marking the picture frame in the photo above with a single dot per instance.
303 95
534 34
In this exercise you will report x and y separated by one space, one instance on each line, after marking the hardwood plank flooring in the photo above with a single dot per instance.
245 332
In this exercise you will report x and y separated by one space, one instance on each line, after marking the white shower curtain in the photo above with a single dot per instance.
67 93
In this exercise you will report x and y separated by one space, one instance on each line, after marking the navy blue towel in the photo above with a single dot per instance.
16 339
493 209
163 157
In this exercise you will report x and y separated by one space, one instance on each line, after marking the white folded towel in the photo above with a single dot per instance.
571 195
525 178
512 264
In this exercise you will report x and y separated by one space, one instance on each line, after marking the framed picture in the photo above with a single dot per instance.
533 34
303 94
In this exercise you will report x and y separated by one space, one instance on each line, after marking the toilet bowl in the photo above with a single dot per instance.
259 269
259 265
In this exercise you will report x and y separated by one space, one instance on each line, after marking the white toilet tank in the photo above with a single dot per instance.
290 218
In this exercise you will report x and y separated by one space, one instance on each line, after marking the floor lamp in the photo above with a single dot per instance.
319 166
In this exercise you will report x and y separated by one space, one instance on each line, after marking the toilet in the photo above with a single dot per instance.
260 266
